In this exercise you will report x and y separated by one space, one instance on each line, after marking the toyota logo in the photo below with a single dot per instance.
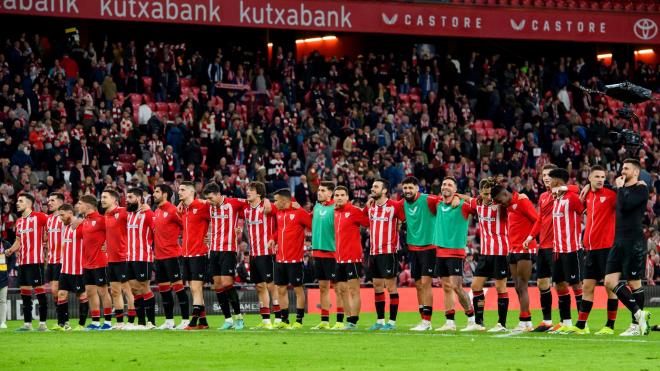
645 29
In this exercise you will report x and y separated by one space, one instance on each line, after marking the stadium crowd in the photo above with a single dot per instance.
79 118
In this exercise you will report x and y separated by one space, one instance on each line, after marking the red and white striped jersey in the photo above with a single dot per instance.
493 228
261 228
55 234
567 223
31 230
224 219
140 236
383 222
72 251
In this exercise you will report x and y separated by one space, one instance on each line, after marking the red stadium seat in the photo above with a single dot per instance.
136 99
146 98
404 98
173 107
478 125
480 132
185 90
120 97
414 97
152 106
218 102
184 82
488 124
146 81
161 107
490 133
127 157
502 133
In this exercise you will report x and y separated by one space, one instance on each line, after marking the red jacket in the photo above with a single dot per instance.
195 220
522 216
116 234
291 225
93 231
601 209
167 228
348 220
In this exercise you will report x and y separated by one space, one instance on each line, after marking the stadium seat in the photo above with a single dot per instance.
161 107
173 107
488 124
184 82
480 132
146 98
478 125
414 97
195 91
127 157
152 106
490 133
146 81
502 133
120 97
405 98
136 99
218 102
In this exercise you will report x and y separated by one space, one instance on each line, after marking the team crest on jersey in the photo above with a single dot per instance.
116 216
165 214
194 211
346 215
494 207
602 199
291 216
515 206
93 223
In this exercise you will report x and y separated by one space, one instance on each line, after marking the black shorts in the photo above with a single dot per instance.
95 277
544 263
117 272
627 258
289 273
447 267
261 268
595 263
567 267
324 269
53 272
348 271
31 275
422 263
383 266
139 271
222 263
194 268
492 266
167 270
514 258
72 283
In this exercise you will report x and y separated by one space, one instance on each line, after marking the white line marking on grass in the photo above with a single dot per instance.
478 335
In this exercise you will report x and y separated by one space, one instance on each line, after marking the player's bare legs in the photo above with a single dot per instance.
521 272
453 285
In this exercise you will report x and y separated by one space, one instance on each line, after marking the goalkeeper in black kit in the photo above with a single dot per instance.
626 260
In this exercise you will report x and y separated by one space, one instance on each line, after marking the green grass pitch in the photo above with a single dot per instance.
328 350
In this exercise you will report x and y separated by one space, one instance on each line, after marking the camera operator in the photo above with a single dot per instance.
627 256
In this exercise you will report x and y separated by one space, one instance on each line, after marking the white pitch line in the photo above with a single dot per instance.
429 334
